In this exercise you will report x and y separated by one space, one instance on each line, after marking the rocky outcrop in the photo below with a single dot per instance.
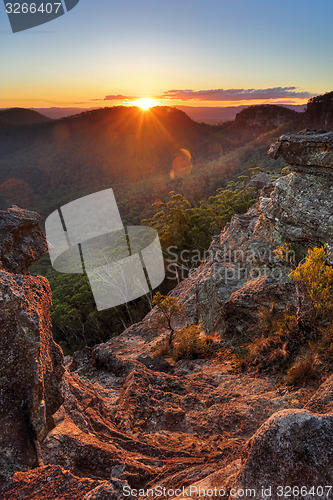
243 275
292 449
31 364
301 210
301 206
309 152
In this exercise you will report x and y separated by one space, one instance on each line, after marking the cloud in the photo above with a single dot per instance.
237 94
114 97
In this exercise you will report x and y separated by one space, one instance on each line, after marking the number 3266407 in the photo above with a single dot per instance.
32 8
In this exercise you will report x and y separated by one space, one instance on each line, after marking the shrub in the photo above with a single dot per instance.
191 344
289 254
314 279
162 349
324 346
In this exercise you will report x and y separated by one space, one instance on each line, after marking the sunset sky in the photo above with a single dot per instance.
189 52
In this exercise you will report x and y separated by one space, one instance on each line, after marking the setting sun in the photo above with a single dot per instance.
145 103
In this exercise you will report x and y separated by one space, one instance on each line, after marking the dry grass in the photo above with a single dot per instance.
304 371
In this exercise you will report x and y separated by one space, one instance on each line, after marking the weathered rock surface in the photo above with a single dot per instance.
242 277
22 240
149 427
293 448
260 181
87 441
322 400
301 209
53 482
31 364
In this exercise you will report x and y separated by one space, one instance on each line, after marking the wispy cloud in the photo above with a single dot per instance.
284 94
114 97
236 94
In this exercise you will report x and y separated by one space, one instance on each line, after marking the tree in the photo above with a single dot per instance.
169 308
183 227
171 220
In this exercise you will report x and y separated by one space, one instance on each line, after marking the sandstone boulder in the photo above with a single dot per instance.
293 448
301 209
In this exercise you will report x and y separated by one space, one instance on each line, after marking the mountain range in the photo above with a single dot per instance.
141 155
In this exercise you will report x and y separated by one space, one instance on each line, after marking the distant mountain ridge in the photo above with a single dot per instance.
22 116
212 115
216 115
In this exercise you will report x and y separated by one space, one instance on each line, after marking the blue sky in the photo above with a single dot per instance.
138 48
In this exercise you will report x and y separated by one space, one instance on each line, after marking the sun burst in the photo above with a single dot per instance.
145 103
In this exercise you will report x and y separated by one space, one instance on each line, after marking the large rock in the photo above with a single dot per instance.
310 152
22 240
31 364
301 209
301 205
293 448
